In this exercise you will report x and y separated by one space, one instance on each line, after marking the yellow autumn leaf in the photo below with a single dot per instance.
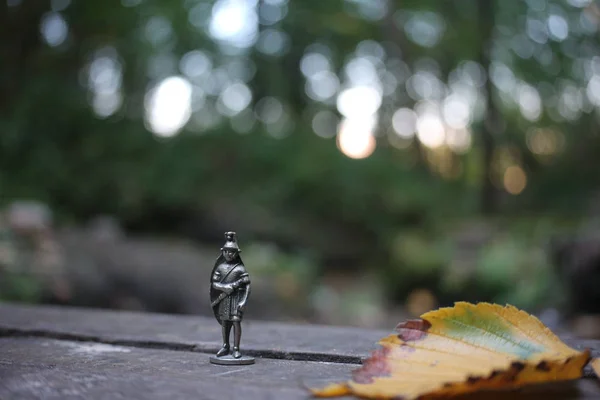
462 349
596 366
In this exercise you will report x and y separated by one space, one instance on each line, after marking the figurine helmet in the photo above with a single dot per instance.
231 242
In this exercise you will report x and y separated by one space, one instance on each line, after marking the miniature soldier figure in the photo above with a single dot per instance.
229 291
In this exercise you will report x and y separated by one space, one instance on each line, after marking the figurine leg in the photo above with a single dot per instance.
226 332
237 332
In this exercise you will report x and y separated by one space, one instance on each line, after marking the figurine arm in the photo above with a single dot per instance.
223 287
229 287
244 280
242 303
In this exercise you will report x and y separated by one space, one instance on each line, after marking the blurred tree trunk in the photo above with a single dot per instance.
492 123
19 24
392 33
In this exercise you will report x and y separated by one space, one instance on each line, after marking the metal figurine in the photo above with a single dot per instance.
229 292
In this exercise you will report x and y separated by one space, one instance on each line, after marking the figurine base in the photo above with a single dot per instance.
230 360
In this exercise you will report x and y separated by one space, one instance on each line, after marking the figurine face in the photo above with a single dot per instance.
229 255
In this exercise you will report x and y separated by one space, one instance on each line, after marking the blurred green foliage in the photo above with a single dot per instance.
63 144
16 280
19 287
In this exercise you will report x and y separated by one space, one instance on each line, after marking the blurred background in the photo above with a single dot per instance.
377 158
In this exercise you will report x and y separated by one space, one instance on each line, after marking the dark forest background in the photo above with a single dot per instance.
377 158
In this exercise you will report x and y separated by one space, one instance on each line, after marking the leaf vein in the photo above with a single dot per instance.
528 348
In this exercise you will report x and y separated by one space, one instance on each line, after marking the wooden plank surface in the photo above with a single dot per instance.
275 340
69 353
34 368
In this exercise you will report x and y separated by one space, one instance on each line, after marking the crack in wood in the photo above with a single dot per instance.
229 372
175 346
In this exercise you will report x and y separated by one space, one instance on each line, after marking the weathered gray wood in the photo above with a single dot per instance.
34 368
311 342
275 340
70 353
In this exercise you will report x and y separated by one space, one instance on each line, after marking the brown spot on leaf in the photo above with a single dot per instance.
473 379
517 366
515 369
373 367
543 366
414 329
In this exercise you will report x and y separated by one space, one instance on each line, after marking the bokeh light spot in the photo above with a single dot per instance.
530 102
195 63
424 28
431 131
325 123
168 106
322 85
544 141
234 22
273 42
235 98
355 137
54 29
359 102
404 122
558 27
459 140
593 90
515 180
314 63
269 110
457 113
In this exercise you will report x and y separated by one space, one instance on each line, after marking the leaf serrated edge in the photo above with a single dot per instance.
507 377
